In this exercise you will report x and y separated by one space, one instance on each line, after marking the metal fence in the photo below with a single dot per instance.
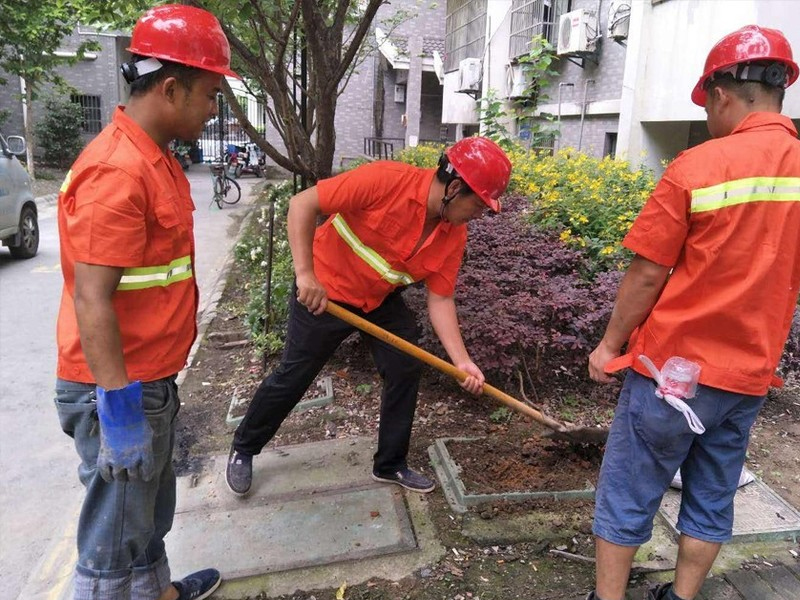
382 148
225 129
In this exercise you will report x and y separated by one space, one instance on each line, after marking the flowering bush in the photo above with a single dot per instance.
425 155
591 203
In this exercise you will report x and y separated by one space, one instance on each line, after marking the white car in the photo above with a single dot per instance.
19 223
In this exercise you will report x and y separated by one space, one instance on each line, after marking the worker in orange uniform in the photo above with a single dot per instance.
705 308
390 224
128 308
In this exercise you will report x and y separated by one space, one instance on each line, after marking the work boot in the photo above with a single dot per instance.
411 480
239 472
198 585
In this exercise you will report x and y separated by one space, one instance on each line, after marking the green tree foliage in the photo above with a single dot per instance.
31 32
58 132
270 40
537 66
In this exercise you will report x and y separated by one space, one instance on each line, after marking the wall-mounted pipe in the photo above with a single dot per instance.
558 118
583 110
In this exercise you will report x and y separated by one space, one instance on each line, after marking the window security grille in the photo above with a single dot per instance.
530 18
465 32
92 121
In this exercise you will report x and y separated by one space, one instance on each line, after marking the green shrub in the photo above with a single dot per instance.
252 255
58 132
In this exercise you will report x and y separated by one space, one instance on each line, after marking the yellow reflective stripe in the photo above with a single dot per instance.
368 255
138 278
742 191
66 182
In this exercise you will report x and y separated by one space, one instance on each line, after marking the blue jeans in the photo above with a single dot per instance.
122 524
649 441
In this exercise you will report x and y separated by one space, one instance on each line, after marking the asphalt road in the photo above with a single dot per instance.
40 493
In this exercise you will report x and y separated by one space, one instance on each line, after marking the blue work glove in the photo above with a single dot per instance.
126 439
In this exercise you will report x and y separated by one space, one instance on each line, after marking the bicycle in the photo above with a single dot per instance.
226 190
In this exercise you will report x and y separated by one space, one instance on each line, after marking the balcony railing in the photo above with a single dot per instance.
382 148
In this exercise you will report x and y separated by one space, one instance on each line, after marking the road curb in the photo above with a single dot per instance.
208 312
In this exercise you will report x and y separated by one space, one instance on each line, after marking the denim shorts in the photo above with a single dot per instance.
649 441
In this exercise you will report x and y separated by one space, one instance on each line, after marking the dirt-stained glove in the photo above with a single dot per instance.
126 439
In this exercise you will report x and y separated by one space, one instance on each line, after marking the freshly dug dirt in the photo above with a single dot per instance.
493 465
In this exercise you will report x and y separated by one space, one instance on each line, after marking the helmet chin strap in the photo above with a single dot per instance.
447 199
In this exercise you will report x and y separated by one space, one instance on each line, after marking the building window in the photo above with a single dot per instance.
530 18
465 31
92 118
610 145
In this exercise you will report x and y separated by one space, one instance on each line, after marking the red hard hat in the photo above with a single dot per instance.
483 166
748 44
183 34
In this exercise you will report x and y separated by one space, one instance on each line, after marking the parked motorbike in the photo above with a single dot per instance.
181 154
245 159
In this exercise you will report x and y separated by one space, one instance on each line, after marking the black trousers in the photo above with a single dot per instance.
310 342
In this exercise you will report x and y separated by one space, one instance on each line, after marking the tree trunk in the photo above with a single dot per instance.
29 129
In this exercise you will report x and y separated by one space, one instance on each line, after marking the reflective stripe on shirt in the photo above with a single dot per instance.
368 255
741 191
138 278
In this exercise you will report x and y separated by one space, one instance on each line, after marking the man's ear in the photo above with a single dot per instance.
452 189
169 88
720 96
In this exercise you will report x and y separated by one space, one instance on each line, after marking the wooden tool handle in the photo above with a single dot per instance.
438 363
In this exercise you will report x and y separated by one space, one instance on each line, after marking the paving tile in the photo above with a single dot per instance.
751 586
718 589
759 514
783 581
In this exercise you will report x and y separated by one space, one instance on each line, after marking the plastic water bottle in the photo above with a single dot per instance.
679 377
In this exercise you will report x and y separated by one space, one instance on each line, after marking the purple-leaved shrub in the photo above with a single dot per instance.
524 303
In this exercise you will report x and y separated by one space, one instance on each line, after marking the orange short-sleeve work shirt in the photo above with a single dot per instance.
726 217
364 250
126 204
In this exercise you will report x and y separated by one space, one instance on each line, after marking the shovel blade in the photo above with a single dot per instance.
596 436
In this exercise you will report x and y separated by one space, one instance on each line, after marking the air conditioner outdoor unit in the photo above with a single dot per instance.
577 32
517 81
619 19
469 75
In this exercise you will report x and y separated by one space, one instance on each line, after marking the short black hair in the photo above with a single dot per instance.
185 75
444 176
749 91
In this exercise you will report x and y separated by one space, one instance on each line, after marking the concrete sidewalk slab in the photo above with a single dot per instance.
283 473
760 515
314 517
317 530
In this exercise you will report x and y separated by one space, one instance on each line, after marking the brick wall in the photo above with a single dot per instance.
96 77
607 77
355 110
11 105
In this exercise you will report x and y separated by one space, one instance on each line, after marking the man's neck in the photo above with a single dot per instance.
146 117
435 195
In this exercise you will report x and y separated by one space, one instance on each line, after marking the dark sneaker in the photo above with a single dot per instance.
198 585
662 591
409 479
239 472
